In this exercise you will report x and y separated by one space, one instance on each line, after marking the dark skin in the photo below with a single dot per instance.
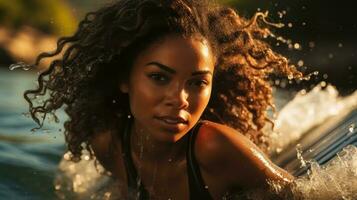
170 81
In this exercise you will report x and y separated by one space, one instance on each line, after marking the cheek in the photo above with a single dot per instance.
142 98
200 101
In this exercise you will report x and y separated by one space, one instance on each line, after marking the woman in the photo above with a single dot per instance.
169 97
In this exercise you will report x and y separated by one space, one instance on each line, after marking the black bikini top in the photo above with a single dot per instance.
137 191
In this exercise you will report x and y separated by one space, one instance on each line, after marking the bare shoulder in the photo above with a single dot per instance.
223 150
215 140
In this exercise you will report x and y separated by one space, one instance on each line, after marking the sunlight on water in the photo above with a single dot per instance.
84 180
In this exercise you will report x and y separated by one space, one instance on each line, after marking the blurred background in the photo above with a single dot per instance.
318 36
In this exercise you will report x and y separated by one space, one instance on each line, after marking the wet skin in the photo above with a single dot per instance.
170 81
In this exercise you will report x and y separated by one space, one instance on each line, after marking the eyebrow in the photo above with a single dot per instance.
172 71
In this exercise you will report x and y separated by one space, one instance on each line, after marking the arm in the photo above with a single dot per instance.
223 150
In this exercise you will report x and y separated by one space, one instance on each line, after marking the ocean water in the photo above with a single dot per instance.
28 160
33 165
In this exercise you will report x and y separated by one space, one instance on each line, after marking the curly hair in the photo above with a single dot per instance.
98 57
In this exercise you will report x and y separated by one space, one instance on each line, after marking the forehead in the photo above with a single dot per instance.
178 52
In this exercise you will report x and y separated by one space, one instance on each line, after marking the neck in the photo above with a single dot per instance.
147 149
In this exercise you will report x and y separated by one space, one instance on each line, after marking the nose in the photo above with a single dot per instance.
177 97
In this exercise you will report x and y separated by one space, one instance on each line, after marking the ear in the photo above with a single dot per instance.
124 88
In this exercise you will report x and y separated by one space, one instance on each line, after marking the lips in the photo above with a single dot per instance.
172 124
173 120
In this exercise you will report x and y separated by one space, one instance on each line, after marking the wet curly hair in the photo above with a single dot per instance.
98 57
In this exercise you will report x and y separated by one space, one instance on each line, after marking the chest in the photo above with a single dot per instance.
168 181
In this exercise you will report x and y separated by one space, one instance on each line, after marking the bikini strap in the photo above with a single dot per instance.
136 187
198 189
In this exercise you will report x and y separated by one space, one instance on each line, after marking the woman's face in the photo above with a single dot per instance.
169 86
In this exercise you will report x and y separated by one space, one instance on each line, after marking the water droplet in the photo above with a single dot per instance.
206 186
57 187
129 116
21 65
304 23
170 159
290 25
89 68
114 101
297 46
311 44
67 156
299 155
277 82
107 195
325 76
315 73
302 92
330 55
351 128
300 63
280 14
86 157
340 45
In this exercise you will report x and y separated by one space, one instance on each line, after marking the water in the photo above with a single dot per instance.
35 166
28 161
337 179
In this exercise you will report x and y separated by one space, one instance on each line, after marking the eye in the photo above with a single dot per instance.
160 78
199 83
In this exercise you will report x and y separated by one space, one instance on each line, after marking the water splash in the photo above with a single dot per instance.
306 110
85 179
299 156
337 179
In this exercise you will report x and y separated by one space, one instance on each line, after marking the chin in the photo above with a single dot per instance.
169 137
